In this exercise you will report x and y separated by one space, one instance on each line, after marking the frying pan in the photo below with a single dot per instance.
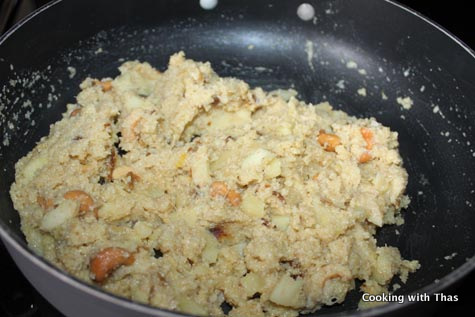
397 54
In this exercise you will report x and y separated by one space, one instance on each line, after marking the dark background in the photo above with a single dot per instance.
19 299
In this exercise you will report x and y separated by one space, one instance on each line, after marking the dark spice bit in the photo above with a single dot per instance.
77 138
229 138
215 101
279 196
194 136
292 263
157 254
218 232
265 222
295 276
226 307
120 151
101 180
255 296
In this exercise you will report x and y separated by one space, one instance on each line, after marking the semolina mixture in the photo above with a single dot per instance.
185 190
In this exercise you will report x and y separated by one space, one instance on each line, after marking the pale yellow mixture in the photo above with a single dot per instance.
185 190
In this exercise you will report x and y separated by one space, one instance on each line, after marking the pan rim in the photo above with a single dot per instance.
20 246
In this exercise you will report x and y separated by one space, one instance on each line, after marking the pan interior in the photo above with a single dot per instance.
348 46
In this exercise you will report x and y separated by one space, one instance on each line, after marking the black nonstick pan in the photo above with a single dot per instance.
377 45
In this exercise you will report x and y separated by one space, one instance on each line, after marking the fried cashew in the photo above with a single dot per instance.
86 203
107 261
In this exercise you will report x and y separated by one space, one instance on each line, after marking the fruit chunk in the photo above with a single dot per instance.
273 169
113 210
254 165
211 249
252 283
33 166
188 306
281 222
63 212
253 206
287 292
200 168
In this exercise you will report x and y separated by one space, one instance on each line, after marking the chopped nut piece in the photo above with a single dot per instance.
75 112
106 85
365 157
218 188
234 197
328 141
368 137
279 196
181 161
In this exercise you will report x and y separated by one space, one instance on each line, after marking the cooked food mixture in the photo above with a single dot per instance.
192 192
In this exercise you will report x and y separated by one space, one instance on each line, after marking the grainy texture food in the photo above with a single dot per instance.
185 190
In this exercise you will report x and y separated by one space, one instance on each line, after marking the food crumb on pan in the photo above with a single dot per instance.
362 71
351 65
405 102
450 256
310 53
341 84
72 72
